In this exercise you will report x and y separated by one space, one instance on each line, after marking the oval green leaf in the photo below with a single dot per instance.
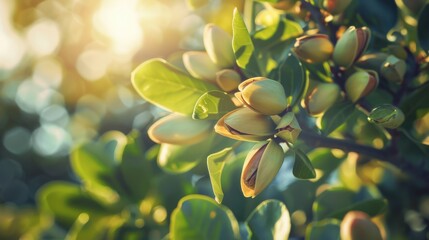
302 167
213 105
326 229
336 115
422 28
215 164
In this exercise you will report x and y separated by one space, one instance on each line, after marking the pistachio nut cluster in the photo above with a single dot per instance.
215 64
357 225
387 116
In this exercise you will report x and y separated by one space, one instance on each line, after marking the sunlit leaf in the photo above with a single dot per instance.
281 31
166 86
213 105
215 164
270 220
243 47
326 229
336 115
302 167
422 28
200 217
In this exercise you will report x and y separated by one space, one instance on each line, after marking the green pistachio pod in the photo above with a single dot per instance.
178 129
351 46
228 80
393 69
260 167
321 98
314 48
387 116
398 51
360 84
284 5
372 61
245 125
218 44
357 225
288 128
263 95
199 65
335 7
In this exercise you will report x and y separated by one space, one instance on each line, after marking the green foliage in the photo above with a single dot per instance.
335 116
215 164
325 229
212 105
422 28
302 167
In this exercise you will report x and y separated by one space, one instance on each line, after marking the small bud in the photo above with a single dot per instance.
387 116
245 125
263 95
335 7
351 46
357 225
284 5
260 167
228 80
372 61
288 128
321 98
218 44
200 66
314 48
360 84
394 69
178 129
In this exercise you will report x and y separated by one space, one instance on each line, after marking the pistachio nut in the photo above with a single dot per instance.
394 69
178 129
228 80
334 7
263 95
360 84
321 98
218 44
260 167
314 48
351 45
387 116
245 125
199 65
398 51
357 225
372 61
288 128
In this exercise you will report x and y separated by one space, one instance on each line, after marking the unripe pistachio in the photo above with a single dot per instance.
398 51
200 66
260 167
314 48
245 125
284 4
218 44
387 116
263 95
321 98
372 61
357 225
228 80
351 46
178 129
288 128
360 84
394 69
335 7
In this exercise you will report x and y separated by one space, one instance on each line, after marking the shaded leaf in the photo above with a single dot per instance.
215 165
302 167
422 28
369 11
336 115
326 229
281 31
213 105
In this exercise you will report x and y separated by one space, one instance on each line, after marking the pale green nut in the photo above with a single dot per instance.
288 128
314 48
260 167
393 69
179 130
387 116
398 51
218 44
372 61
357 225
334 7
351 45
199 65
228 80
263 95
245 124
323 96
360 84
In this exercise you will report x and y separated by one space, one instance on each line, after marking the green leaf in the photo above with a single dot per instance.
270 220
291 74
369 11
336 202
165 86
326 229
200 217
422 28
319 71
412 103
243 47
336 115
213 105
302 167
283 30
215 164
